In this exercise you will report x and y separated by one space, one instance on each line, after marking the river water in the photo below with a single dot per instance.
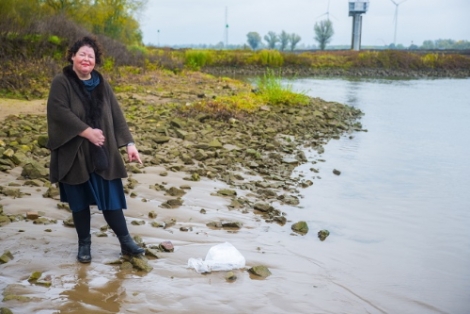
399 212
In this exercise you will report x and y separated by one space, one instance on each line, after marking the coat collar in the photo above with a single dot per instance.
92 102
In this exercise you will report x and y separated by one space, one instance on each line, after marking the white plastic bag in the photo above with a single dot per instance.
220 257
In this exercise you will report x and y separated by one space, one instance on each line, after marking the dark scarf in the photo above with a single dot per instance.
92 101
92 97
92 83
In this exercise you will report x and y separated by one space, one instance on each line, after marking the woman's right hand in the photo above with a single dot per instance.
95 136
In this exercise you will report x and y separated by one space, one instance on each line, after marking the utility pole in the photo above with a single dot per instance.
226 27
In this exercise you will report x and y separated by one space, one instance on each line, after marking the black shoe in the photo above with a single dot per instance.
84 255
129 247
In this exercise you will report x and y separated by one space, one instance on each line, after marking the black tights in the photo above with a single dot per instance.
114 218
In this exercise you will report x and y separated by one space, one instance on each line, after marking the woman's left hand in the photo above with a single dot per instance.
133 154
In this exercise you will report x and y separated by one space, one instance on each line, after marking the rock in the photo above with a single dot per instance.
301 156
42 140
167 246
227 192
134 169
173 203
300 227
161 139
8 153
4 310
19 298
230 276
178 123
152 215
289 199
126 266
200 155
4 220
35 182
69 222
169 223
280 220
52 192
156 224
337 172
35 276
262 206
141 263
187 160
44 283
181 134
6 257
323 234
32 215
260 271
138 222
34 170
194 177
306 183
44 221
11 192
215 144
253 153
173 191
232 225
151 252
214 224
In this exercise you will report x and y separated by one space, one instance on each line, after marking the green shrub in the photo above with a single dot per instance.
138 50
271 58
54 40
196 59
275 92
108 64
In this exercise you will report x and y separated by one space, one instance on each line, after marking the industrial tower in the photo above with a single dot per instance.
356 8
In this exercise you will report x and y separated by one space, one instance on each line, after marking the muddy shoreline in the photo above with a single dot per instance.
204 181
302 71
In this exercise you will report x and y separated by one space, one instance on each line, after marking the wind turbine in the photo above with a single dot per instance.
327 13
396 20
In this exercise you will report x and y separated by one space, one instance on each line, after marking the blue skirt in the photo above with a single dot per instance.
106 194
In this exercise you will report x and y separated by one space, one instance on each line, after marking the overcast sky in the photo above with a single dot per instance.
203 21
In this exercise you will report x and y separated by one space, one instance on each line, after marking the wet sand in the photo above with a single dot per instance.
299 283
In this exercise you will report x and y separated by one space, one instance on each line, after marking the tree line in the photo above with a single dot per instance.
282 41
112 18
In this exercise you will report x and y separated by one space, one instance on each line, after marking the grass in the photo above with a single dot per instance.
274 92
270 91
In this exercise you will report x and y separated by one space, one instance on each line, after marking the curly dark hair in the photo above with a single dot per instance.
85 41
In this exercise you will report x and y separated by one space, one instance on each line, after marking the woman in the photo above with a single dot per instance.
86 128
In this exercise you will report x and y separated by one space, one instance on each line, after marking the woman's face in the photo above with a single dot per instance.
84 62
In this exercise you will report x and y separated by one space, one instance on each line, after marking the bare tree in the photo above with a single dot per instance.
294 40
323 33
271 39
254 39
284 39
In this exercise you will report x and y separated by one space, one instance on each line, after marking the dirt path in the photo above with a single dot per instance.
16 106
